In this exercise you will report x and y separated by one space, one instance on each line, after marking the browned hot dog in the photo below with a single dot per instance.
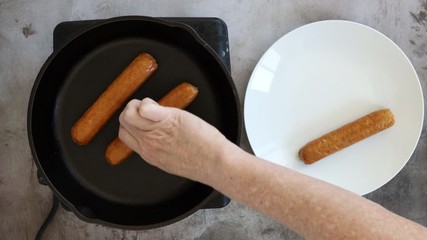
89 124
346 135
179 97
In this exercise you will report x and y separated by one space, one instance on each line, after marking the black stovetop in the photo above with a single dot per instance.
212 30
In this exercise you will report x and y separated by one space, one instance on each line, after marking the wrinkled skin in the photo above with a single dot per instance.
173 140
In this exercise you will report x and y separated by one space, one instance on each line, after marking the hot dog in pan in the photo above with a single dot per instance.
179 97
97 115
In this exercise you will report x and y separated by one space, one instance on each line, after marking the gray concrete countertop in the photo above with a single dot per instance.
26 41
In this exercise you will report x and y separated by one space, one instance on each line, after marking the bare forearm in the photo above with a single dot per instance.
313 208
183 144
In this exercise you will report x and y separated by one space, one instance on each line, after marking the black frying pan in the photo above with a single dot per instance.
133 194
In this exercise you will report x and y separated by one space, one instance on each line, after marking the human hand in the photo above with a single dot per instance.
171 139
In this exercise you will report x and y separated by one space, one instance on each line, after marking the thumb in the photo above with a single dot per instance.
151 110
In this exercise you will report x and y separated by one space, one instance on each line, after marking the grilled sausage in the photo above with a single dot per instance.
179 97
89 124
346 135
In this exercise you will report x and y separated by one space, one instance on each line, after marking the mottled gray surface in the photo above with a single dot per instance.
26 41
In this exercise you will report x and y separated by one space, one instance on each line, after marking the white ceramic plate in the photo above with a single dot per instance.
325 74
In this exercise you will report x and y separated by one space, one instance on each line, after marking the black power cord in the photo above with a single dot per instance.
55 204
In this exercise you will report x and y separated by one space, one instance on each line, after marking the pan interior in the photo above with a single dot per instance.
135 192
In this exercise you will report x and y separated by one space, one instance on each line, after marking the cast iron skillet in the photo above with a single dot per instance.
133 194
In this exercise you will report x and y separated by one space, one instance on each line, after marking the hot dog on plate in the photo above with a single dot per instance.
346 135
